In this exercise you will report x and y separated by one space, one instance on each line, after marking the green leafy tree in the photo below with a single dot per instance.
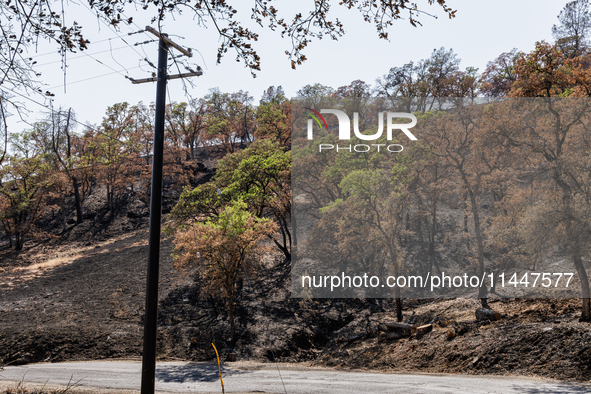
421 86
56 139
274 95
273 121
373 205
223 249
461 142
314 96
230 119
259 176
114 152
551 137
25 185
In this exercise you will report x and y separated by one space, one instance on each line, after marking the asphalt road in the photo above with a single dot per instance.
245 377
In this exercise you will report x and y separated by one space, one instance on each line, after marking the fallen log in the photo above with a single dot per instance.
487 314
350 339
404 329
394 335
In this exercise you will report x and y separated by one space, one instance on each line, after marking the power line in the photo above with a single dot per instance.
115 60
98 76
98 61
53 52
110 28
80 57
87 55
106 65
145 31
145 57
151 30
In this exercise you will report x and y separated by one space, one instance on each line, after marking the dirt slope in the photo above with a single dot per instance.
85 300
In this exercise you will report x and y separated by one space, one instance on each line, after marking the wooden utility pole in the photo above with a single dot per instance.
151 317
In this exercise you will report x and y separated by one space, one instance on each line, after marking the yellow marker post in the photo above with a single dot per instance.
219 367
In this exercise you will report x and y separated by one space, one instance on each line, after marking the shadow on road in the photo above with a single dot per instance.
192 373
561 388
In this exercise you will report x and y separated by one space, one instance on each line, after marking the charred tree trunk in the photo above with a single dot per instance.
398 306
586 310
285 245
18 241
77 201
284 249
586 307
465 198
294 227
232 322
580 267
110 201
64 216
431 235
393 253
575 247
215 309
482 290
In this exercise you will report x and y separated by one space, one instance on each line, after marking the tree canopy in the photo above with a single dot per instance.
572 33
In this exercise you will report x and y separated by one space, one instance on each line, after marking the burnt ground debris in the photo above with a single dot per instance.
75 301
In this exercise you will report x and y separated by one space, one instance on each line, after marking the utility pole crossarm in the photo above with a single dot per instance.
155 79
186 52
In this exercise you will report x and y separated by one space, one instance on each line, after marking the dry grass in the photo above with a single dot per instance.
33 388
22 388
45 262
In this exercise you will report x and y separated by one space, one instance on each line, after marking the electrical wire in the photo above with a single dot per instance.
98 61
145 57
63 50
115 60
110 28
80 57
95 77
106 65
141 30
54 111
